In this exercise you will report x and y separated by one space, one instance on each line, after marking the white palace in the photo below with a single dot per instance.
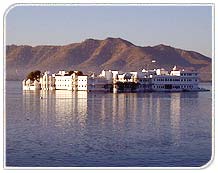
115 81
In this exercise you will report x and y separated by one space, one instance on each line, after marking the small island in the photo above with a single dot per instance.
115 81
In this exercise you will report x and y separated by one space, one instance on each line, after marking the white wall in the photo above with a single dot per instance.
64 82
47 82
82 83
30 85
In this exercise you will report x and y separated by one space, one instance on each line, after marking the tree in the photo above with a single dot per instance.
122 86
34 75
79 73
71 72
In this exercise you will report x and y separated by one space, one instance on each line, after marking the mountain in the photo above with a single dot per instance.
95 55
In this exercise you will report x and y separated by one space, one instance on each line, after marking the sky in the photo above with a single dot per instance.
185 27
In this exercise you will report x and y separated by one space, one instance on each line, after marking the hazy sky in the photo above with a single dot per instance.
186 27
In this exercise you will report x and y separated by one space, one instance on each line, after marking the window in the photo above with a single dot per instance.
168 86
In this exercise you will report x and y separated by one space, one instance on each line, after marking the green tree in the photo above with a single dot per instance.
34 75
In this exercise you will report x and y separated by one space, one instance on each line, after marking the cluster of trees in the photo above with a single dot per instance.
122 86
34 75
78 73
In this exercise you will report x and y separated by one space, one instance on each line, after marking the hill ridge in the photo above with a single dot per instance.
95 55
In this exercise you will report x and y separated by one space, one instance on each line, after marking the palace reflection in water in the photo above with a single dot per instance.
125 108
139 114
65 128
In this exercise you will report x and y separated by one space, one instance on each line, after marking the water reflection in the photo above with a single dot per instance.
31 105
157 118
132 114
81 107
175 117
67 128
114 108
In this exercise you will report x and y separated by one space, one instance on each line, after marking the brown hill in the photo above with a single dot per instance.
96 55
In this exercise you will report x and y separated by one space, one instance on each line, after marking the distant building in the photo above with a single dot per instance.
64 80
175 81
31 85
100 84
47 82
108 80
86 83
107 74
83 83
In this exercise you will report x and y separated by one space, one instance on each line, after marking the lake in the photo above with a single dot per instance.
80 129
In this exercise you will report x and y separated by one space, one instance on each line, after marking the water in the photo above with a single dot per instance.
67 129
